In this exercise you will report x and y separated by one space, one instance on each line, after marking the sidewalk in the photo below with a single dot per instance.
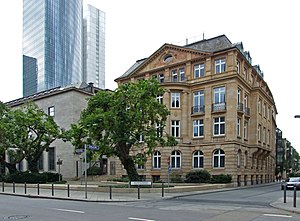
95 193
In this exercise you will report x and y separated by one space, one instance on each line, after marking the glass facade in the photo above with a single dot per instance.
52 35
94 46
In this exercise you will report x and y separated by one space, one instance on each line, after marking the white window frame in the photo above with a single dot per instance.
198 125
51 111
198 159
156 160
175 159
245 130
238 65
219 95
220 65
160 98
175 128
218 159
161 78
218 123
174 75
175 99
181 74
199 70
238 127
245 74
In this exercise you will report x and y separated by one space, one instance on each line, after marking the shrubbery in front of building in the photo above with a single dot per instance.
28 177
198 176
222 178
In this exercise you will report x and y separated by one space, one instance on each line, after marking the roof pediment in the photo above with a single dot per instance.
166 55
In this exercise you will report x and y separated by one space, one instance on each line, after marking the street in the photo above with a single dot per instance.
240 204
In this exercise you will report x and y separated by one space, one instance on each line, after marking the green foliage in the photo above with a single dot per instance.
28 177
198 176
121 179
28 132
175 177
222 178
94 170
114 121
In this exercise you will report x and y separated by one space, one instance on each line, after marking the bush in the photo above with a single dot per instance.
222 178
198 176
175 177
28 177
94 170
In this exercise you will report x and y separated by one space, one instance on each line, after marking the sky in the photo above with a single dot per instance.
135 29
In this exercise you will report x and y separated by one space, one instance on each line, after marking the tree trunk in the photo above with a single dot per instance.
128 163
32 166
11 167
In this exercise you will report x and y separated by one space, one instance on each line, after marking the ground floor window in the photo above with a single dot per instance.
219 158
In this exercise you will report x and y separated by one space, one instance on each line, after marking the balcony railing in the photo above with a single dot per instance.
247 111
240 107
219 106
174 79
198 109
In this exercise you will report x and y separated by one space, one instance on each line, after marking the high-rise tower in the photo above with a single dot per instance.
52 36
93 60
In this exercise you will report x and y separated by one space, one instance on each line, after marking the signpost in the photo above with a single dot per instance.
169 172
59 163
90 147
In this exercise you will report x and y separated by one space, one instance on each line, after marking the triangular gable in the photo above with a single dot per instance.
159 59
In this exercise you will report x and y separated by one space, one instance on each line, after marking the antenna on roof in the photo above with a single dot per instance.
186 41
203 36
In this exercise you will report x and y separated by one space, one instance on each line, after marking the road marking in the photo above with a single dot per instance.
140 219
278 215
69 210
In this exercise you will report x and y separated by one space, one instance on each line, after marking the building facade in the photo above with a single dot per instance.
222 112
93 55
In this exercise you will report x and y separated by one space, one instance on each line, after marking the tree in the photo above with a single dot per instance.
29 132
116 121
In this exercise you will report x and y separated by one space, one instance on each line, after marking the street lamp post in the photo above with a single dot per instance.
85 172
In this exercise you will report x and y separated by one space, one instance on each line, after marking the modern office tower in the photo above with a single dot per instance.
52 34
93 60
30 71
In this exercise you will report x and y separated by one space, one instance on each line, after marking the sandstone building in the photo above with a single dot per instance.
222 112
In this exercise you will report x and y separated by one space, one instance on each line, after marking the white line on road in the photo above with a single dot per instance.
278 215
69 210
140 219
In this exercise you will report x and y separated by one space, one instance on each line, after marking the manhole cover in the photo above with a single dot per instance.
15 217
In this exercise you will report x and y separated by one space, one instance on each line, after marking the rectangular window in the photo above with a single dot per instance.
219 126
220 65
198 70
40 162
51 158
160 98
219 95
161 78
258 133
245 74
268 137
181 74
175 102
198 128
238 66
264 135
159 131
175 128
198 105
259 106
174 76
246 130
51 111
238 127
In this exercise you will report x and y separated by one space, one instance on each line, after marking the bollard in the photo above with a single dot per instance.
139 194
25 188
52 189
38 189
110 192
68 190
162 189
284 193
14 187
2 186
295 195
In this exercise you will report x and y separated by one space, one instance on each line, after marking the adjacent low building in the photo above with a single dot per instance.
222 111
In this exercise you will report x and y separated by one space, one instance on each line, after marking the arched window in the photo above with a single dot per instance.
219 158
239 153
175 159
156 160
198 159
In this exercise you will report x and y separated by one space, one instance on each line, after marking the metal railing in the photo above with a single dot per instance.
198 109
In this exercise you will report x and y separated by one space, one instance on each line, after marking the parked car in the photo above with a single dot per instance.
291 183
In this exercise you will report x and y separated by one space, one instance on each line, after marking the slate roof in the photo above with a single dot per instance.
215 44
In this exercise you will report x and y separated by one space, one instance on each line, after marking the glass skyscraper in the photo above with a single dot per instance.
93 46
52 38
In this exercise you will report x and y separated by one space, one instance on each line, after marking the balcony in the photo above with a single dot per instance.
198 109
247 111
240 108
174 79
218 107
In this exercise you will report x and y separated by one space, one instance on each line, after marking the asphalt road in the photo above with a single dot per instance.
241 205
